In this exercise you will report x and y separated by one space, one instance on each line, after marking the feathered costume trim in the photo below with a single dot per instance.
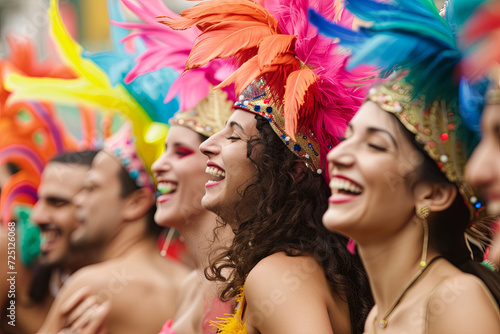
304 71
233 324
411 35
23 60
404 34
168 48
32 133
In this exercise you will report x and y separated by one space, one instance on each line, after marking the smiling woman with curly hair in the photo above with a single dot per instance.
275 205
295 98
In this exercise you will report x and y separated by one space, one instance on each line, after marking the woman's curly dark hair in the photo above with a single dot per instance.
285 215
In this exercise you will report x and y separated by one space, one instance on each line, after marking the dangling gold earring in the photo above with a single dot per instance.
422 214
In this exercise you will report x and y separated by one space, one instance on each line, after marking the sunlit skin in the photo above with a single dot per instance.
227 152
374 200
483 168
55 215
55 211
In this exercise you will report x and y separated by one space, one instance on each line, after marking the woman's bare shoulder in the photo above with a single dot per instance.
461 303
287 294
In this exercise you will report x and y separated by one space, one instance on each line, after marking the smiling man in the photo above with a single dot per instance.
55 211
37 284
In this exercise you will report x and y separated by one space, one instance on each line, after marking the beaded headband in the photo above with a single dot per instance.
435 126
123 146
255 99
208 116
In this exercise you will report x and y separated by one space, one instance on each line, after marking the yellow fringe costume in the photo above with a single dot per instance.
233 324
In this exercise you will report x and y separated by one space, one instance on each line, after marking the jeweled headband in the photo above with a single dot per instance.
255 100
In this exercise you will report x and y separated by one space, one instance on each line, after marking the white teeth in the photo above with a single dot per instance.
346 185
214 171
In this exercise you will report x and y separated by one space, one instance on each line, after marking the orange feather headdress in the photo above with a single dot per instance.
287 71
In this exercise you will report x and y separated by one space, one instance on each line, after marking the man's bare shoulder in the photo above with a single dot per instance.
126 271
96 277
127 283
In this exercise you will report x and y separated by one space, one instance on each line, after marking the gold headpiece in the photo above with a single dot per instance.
434 126
209 116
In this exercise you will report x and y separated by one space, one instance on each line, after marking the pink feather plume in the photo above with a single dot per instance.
304 70
171 48
337 92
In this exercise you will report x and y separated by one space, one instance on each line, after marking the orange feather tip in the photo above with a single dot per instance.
224 40
178 23
297 85
243 76
208 13
273 46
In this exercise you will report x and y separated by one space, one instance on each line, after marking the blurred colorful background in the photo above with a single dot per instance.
87 20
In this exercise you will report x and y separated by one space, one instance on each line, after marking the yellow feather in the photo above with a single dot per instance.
234 323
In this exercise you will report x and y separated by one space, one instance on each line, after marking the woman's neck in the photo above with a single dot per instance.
198 234
392 262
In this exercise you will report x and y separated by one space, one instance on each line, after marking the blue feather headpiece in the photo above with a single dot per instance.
404 35
413 37
471 93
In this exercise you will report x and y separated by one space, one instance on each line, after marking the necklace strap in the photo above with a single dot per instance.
383 322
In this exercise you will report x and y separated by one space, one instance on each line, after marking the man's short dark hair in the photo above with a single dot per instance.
81 158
